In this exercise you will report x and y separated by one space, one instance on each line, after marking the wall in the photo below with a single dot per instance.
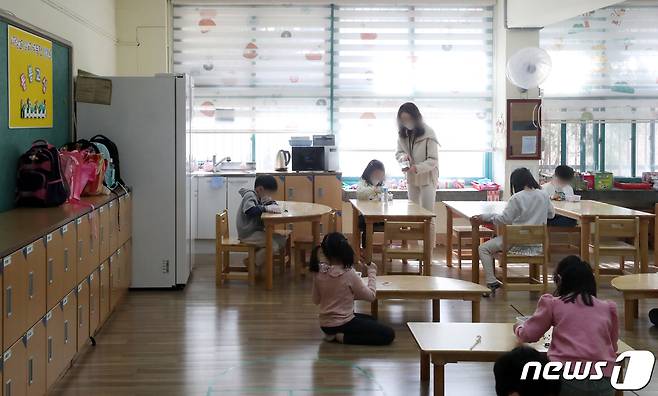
539 13
88 25
143 30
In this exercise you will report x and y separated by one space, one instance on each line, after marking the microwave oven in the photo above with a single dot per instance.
315 158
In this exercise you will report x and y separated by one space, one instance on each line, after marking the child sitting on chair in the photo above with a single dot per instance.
251 228
559 189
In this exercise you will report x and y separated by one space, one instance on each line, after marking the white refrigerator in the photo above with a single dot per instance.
149 121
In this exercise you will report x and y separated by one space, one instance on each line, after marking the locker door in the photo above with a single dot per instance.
114 225
14 378
69 339
329 191
94 241
70 261
104 232
104 285
300 188
126 269
15 292
35 341
83 314
125 214
35 254
121 272
94 302
83 247
115 289
54 347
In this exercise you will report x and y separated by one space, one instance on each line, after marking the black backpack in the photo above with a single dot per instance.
39 180
114 154
81 145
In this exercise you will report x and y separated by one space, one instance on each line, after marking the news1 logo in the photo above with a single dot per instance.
639 367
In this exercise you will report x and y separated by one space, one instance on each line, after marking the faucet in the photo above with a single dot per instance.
215 164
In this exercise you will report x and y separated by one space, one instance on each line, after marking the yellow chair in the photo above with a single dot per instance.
404 232
609 240
225 245
462 235
525 244
304 245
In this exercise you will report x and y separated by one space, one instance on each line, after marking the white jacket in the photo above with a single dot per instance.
423 152
365 191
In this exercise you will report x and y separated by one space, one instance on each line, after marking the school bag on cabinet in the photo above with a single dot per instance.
114 154
39 179
77 172
110 174
95 184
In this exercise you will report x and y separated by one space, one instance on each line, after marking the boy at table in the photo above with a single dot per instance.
251 229
559 189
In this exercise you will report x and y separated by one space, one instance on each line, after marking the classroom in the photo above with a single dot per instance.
349 197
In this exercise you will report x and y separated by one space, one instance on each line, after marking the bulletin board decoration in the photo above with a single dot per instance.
30 79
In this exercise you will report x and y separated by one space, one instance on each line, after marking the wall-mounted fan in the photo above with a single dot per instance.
529 67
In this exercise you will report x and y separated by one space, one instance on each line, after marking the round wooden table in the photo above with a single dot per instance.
293 212
635 287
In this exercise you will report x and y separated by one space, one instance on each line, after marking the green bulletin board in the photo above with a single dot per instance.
14 142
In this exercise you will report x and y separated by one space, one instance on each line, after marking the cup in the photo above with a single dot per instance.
573 198
520 320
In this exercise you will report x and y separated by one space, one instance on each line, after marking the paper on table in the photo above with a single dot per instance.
529 145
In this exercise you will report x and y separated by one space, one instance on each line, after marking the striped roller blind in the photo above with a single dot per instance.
605 66
256 68
439 57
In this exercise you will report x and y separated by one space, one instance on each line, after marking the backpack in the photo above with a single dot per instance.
39 179
109 180
77 171
80 145
114 154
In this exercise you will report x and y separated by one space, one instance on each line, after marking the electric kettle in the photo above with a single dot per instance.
282 160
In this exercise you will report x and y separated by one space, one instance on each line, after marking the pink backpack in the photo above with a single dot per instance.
77 172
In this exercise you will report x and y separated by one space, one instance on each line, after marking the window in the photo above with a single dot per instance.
265 73
603 79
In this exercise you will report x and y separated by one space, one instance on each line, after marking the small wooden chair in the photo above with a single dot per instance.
462 235
607 242
569 246
525 244
404 232
304 245
225 245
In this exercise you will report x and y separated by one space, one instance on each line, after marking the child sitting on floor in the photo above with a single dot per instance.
335 287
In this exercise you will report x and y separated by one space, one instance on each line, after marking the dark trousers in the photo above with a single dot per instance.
561 221
363 330
378 227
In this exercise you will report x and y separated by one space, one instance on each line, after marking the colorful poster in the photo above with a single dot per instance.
30 72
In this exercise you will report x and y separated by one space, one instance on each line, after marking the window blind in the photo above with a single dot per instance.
256 69
438 57
605 66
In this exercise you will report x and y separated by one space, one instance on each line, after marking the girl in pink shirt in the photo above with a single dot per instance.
335 287
585 328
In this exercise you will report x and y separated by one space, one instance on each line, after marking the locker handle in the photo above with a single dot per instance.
320 192
50 349
66 259
80 242
100 233
30 370
80 315
30 285
66 331
50 271
91 242
9 302
8 388
290 192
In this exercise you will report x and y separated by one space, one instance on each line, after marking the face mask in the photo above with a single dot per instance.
376 182
409 126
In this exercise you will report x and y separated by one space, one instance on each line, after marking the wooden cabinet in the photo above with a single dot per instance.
94 302
35 299
113 226
104 232
126 266
125 218
69 340
83 230
54 348
104 286
329 191
14 310
300 189
35 344
60 263
523 129
14 370
115 281
83 314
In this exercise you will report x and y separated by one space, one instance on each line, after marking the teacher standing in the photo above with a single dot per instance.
418 155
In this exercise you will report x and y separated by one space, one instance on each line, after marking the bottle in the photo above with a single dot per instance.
384 194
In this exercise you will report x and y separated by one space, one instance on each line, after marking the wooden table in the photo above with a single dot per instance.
293 212
428 288
395 210
587 211
468 209
442 343
635 287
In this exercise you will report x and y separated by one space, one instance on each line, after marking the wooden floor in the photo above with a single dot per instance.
241 340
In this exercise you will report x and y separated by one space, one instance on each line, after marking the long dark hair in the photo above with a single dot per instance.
522 178
413 111
574 278
372 166
335 247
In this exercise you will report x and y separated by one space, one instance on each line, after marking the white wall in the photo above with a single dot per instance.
142 27
88 25
539 13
